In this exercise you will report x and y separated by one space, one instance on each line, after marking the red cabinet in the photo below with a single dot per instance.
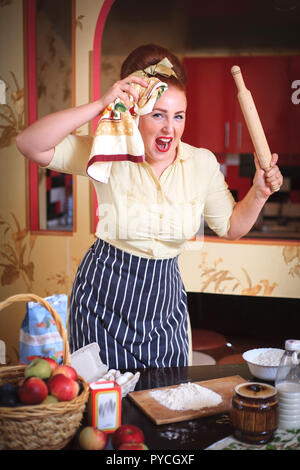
294 106
205 118
214 116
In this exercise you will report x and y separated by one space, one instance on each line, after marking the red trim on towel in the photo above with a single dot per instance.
116 158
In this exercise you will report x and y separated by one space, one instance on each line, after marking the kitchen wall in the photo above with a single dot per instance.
39 263
45 264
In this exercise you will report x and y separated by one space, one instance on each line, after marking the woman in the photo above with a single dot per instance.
128 295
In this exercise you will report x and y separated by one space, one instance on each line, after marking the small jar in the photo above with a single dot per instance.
254 412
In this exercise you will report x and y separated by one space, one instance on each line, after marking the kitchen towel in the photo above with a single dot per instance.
117 137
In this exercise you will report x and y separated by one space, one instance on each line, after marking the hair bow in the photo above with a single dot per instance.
163 67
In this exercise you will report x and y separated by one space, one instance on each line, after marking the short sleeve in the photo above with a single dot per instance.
72 155
219 203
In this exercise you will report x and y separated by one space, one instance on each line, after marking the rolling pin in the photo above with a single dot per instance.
253 122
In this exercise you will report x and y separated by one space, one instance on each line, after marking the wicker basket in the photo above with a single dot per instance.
50 426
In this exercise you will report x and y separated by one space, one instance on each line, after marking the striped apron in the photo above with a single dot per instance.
134 308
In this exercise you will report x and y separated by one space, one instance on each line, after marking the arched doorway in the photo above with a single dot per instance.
122 26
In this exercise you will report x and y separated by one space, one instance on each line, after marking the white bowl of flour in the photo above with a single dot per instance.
263 363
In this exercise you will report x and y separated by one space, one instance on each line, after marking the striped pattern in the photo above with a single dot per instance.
134 308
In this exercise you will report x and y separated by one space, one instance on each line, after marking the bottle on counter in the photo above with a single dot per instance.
287 383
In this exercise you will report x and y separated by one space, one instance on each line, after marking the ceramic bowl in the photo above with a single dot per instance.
264 372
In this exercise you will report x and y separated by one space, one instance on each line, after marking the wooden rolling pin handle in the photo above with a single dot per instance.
238 78
242 91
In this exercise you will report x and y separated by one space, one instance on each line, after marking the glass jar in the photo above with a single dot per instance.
254 412
287 383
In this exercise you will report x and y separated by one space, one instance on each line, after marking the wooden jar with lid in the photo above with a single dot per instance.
254 412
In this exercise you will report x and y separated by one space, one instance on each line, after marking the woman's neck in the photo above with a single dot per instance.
159 167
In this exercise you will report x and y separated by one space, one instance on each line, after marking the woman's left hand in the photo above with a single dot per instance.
264 180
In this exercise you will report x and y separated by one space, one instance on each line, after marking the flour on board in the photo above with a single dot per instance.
188 396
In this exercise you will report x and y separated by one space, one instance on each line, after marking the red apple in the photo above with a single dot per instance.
132 446
127 433
66 370
33 391
91 438
53 363
63 388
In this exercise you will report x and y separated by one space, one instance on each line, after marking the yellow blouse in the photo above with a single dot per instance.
147 216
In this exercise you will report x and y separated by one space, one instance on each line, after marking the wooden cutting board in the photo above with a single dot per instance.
160 414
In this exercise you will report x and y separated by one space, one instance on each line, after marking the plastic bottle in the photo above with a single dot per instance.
287 383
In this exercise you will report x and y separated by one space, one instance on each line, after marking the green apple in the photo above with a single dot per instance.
38 368
49 399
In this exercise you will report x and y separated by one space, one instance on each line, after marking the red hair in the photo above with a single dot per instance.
150 54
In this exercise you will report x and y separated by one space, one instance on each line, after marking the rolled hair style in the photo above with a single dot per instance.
150 54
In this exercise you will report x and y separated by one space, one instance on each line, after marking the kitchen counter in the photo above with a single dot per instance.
191 435
196 434
182 440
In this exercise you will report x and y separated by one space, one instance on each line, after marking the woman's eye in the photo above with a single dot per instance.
179 116
157 115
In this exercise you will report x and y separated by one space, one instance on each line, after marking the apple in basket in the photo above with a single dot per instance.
63 388
66 370
38 368
33 391
49 400
53 363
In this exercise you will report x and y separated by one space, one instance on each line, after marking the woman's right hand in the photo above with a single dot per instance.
122 89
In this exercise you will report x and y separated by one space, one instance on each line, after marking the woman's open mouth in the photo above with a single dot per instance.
163 144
